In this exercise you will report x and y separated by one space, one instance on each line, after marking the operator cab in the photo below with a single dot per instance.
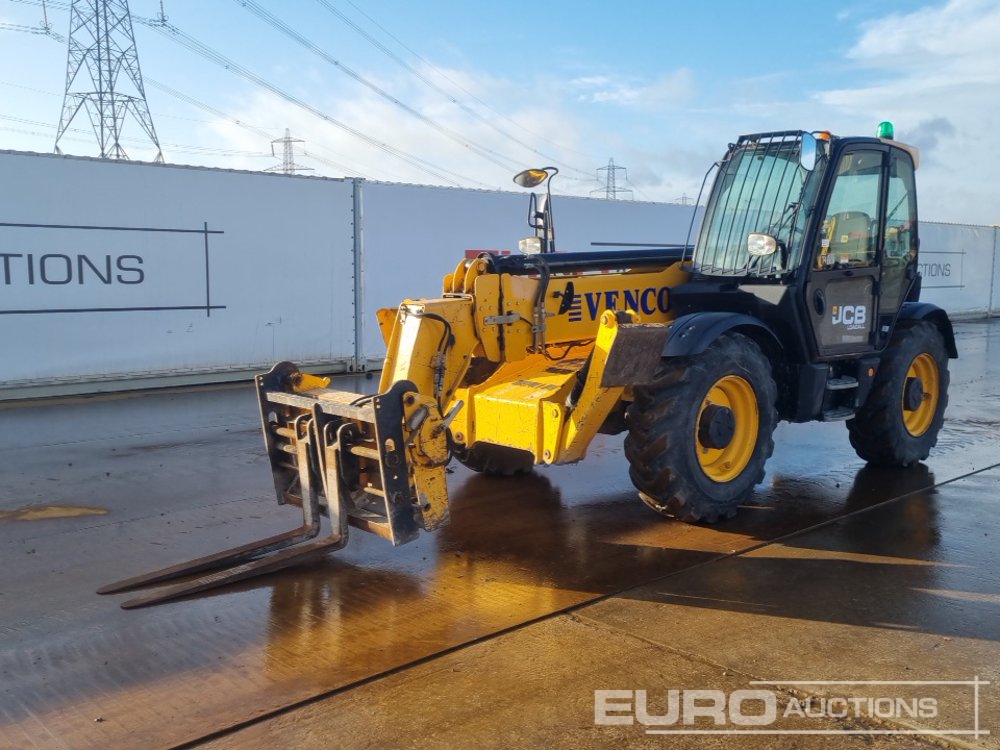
821 233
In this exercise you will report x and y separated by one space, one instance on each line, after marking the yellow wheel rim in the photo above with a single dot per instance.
737 395
918 421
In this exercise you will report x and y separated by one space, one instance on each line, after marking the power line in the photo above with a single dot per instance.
44 28
276 23
244 125
636 188
173 33
190 100
456 84
173 146
326 160
450 97
8 26
176 35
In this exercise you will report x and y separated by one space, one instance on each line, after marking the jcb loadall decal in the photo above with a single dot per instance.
854 317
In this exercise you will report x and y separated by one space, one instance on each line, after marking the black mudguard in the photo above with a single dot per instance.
912 312
694 333
639 348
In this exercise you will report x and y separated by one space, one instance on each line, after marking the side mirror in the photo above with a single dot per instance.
807 152
530 178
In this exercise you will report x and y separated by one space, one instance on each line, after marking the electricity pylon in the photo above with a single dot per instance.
288 165
101 42
611 190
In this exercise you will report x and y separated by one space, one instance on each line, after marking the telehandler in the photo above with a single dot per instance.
799 301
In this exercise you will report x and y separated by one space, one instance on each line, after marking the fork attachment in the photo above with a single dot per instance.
373 462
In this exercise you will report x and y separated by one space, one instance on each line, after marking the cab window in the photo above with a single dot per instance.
848 236
900 231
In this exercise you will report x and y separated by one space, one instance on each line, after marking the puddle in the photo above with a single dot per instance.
45 512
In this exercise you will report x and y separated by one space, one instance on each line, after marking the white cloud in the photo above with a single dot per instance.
956 36
936 73
668 89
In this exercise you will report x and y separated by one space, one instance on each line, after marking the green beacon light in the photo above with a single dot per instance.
885 130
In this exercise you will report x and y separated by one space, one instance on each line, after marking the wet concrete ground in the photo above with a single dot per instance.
837 572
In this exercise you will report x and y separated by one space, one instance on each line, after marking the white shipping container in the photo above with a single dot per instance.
122 275
113 271
957 265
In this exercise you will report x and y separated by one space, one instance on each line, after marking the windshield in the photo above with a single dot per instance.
759 189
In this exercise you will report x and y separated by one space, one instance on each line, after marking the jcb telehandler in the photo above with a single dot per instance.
799 301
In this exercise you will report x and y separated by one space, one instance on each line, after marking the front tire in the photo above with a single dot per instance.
902 416
699 438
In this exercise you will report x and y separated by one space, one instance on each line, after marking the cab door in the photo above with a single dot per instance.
844 274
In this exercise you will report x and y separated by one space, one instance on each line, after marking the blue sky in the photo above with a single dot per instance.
661 87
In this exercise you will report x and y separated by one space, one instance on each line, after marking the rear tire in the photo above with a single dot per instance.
680 459
885 432
495 460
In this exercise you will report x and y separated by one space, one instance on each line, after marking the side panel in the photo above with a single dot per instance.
842 309
120 271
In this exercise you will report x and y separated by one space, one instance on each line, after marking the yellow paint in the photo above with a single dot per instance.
522 404
386 317
524 355
427 456
475 269
553 421
487 294
725 464
595 402
453 282
49 512
918 421
421 339
509 407
303 381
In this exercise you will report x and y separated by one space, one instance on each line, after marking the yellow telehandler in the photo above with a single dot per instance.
799 301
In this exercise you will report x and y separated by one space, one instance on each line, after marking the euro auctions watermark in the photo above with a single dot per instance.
802 707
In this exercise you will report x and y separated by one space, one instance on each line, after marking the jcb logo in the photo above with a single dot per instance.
852 316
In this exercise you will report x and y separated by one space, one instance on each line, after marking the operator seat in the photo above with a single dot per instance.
851 238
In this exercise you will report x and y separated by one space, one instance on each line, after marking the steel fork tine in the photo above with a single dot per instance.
283 559
255 558
235 555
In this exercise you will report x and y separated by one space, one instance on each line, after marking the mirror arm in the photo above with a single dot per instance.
549 243
540 220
